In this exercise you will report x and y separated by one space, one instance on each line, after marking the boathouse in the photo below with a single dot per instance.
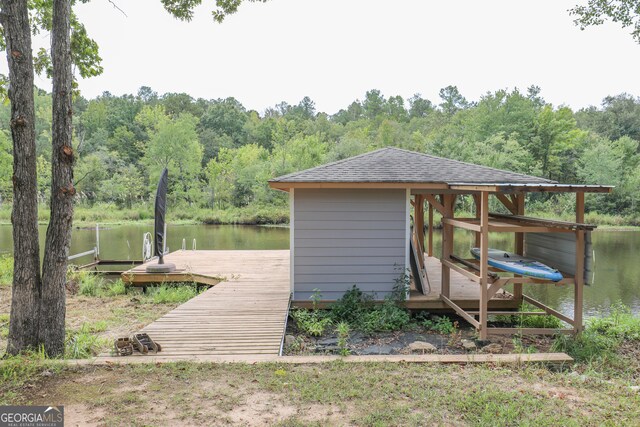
360 221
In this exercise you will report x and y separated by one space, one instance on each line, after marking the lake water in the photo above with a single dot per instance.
617 271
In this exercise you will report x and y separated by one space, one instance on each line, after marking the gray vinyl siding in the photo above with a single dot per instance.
345 237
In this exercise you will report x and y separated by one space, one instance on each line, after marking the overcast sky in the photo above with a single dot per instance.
336 50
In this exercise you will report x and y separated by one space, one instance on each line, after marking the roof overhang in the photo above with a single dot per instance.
454 187
285 186
546 187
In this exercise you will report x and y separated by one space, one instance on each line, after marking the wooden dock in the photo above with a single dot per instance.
244 314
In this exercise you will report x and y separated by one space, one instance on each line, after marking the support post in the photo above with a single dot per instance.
447 243
430 247
518 243
579 275
476 200
484 265
418 226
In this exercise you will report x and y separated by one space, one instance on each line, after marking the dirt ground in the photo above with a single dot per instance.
111 317
336 393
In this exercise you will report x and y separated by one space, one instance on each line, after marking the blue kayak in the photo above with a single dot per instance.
518 264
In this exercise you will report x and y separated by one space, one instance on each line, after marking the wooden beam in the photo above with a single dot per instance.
548 310
461 223
434 202
551 223
484 263
306 360
495 287
579 274
461 313
518 202
468 274
476 201
447 243
529 331
507 203
430 247
510 313
472 266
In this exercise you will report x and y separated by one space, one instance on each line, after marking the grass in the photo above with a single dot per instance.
171 294
609 347
85 342
376 394
6 270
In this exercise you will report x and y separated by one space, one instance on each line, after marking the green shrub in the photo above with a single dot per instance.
311 322
352 306
383 317
440 324
619 324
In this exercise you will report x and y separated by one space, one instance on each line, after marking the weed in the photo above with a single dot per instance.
174 294
316 298
83 343
353 304
597 347
440 324
342 329
87 283
384 317
311 322
116 288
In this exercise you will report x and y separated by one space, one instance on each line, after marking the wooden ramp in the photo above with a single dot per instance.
244 314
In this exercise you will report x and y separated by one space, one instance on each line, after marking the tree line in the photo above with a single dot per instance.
221 155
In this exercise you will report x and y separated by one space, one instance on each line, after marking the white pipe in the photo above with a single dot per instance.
97 240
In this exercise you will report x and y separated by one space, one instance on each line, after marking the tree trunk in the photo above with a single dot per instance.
54 269
25 303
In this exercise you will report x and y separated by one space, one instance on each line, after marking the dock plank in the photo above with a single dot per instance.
243 314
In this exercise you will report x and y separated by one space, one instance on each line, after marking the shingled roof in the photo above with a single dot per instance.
395 165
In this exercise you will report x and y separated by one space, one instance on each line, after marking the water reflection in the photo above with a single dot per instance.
617 274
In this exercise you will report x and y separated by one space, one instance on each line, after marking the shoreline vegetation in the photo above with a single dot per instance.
258 215
220 155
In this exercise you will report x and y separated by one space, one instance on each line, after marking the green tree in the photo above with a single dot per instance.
596 12
173 144
452 100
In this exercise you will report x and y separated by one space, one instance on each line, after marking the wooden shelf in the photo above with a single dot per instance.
503 226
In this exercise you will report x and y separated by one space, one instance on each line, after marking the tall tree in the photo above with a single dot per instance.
452 100
25 302
58 240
